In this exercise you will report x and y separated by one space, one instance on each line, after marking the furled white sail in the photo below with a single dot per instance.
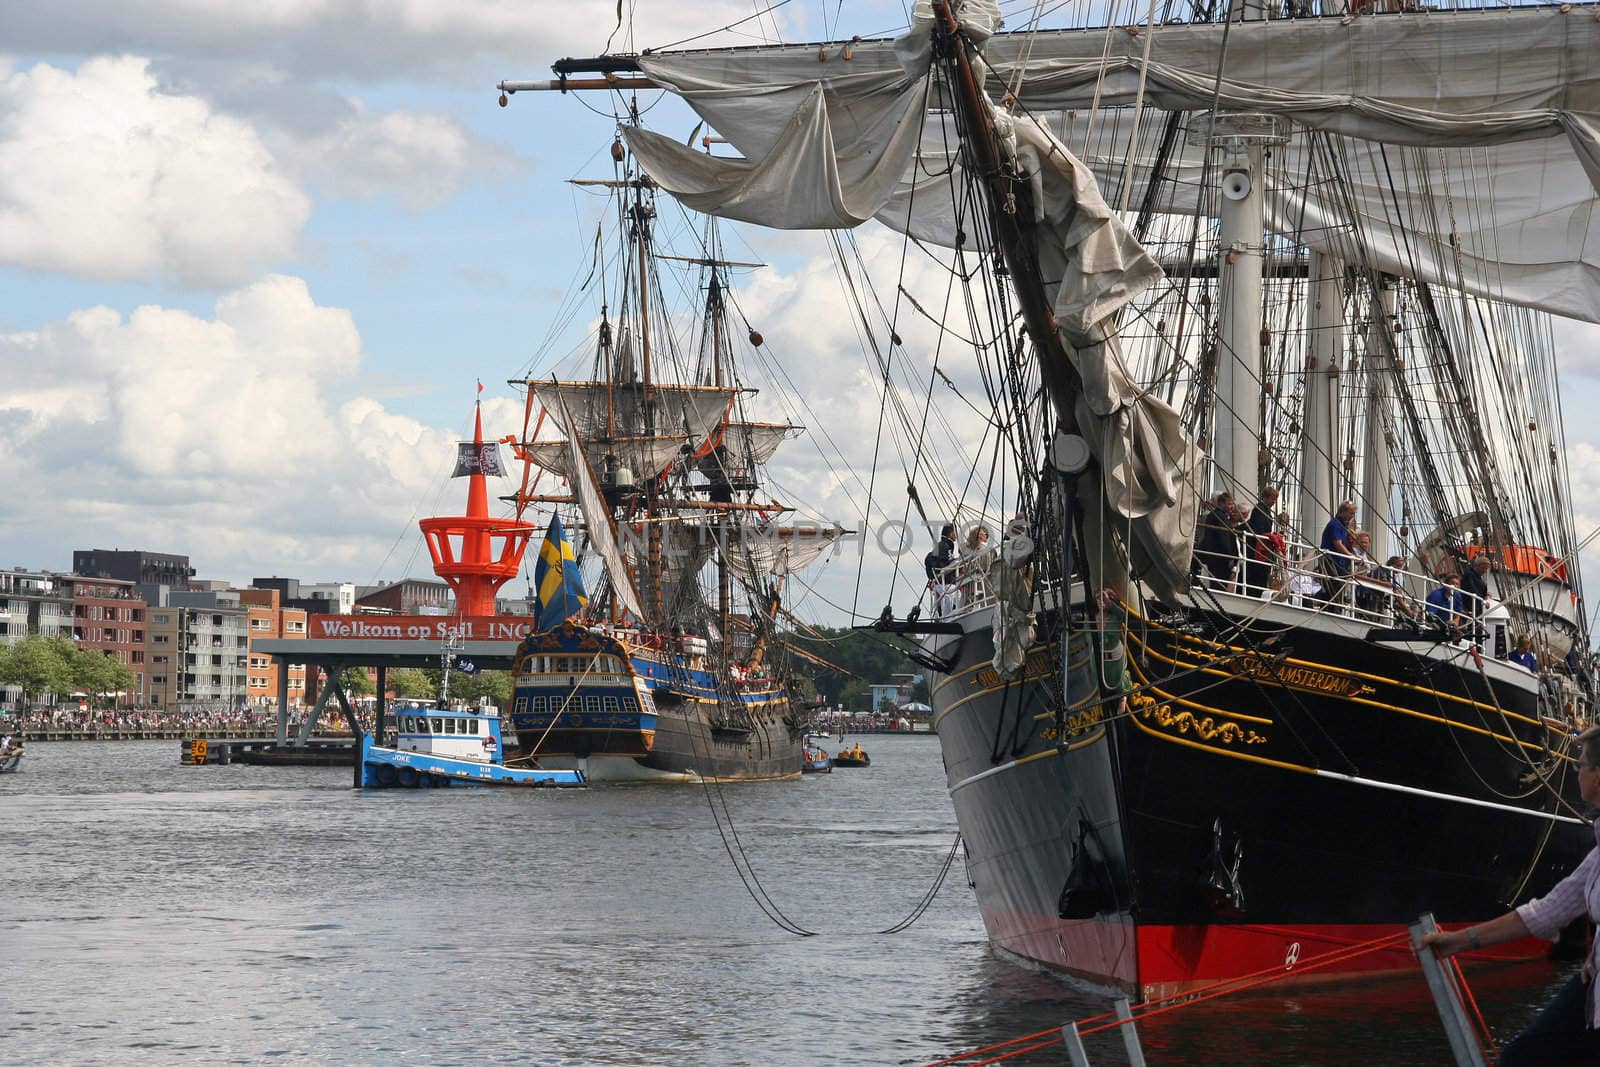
601 410
757 551
751 442
643 457
822 140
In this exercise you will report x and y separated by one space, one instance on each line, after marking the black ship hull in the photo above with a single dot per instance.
1265 793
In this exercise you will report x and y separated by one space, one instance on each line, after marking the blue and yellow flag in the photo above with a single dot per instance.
557 579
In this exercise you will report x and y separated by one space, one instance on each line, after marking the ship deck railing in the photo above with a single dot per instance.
1301 579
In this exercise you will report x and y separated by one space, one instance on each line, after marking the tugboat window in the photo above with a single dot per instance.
438 725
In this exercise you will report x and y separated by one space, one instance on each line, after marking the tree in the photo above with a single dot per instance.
409 683
495 685
354 681
99 673
39 665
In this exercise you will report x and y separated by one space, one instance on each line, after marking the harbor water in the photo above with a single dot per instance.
156 913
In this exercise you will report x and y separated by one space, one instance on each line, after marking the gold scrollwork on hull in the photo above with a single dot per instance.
1206 729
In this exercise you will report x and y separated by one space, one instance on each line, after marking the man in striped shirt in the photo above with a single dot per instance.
1564 1033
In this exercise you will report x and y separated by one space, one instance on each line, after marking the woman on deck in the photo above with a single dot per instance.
1564 1033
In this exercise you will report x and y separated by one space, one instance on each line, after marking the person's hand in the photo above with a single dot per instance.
1445 943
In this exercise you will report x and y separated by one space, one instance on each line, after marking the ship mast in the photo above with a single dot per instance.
1011 215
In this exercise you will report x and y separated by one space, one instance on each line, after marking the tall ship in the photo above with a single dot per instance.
1281 280
671 668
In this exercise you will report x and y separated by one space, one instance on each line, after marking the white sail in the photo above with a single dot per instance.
645 457
839 149
822 140
753 442
598 411
757 551
597 519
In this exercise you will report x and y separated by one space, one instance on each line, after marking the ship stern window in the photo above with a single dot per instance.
519 705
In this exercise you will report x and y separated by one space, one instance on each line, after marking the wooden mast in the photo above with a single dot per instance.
1011 214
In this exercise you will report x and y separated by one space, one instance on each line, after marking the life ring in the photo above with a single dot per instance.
489 743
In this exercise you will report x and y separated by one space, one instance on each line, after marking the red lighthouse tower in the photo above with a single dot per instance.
473 553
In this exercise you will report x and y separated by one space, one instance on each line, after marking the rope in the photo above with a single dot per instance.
1487 1041
1146 1009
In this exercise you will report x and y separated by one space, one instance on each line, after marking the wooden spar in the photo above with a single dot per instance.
562 85
614 183
1011 213
709 262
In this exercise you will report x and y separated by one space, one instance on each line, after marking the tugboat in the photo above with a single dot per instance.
444 746
816 760
441 746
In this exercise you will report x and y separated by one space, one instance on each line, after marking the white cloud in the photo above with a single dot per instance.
105 177
223 438
371 40
420 159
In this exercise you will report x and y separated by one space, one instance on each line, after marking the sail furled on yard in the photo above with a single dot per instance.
823 142
832 149
612 421
757 550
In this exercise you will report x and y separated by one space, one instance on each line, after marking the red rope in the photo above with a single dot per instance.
1147 1008
1236 986
1472 1002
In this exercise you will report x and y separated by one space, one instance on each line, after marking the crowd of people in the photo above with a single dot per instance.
70 717
1244 552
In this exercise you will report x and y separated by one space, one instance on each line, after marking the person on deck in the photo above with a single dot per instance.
1447 606
1258 570
937 564
1565 1031
1524 654
975 558
1216 545
1336 551
1475 588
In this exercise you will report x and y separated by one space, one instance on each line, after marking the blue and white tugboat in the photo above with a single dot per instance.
437 746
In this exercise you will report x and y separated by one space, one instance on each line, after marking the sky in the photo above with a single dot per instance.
254 258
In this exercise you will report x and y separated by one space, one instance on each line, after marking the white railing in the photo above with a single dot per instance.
1301 579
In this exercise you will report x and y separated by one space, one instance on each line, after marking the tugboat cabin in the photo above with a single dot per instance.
462 733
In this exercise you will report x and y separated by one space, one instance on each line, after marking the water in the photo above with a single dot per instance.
156 913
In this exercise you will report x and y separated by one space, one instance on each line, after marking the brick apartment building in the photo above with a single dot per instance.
270 620
108 616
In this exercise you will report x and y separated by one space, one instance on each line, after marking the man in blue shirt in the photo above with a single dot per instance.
1336 552
1447 605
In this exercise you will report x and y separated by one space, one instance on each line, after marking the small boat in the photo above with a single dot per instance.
818 735
443 746
815 761
852 757
11 761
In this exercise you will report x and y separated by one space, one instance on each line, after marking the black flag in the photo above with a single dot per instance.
477 459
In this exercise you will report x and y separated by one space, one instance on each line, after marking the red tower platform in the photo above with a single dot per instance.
474 553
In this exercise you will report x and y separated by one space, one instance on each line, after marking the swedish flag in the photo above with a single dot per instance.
557 579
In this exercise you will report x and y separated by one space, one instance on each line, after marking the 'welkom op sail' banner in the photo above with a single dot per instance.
419 627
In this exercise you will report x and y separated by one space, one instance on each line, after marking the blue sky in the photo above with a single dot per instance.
253 258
